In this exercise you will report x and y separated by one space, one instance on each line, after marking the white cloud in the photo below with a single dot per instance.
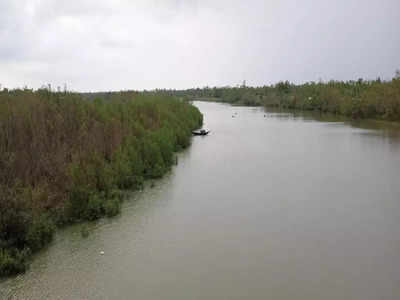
103 45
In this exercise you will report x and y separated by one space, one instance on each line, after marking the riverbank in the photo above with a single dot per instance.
258 199
65 159
360 99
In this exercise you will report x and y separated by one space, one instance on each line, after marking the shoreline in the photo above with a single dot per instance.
112 147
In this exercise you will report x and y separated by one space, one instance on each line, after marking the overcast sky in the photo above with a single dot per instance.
145 44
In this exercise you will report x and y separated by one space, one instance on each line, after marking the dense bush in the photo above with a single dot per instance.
356 99
64 157
13 261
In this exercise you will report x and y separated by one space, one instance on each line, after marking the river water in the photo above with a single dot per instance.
270 205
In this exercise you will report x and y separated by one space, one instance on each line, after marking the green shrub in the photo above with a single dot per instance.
78 202
112 207
40 232
123 170
63 158
152 158
356 99
13 261
95 207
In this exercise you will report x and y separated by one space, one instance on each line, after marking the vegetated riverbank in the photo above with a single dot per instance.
64 159
361 99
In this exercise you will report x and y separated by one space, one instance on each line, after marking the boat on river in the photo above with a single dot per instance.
200 132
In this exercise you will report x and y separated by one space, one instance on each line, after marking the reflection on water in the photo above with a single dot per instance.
385 131
269 205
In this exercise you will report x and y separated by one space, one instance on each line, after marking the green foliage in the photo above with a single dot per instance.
16 217
64 158
40 232
123 170
112 207
356 99
13 261
153 161
95 207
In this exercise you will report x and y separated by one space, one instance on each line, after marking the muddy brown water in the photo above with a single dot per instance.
269 205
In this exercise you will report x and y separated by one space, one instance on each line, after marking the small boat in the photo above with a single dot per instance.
200 132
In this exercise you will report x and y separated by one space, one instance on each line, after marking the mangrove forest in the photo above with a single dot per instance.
66 157
357 99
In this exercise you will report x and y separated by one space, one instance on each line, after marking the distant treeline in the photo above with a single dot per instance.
64 158
356 99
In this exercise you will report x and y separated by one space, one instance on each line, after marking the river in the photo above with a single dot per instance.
270 205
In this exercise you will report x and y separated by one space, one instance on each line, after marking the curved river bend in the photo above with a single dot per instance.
265 207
